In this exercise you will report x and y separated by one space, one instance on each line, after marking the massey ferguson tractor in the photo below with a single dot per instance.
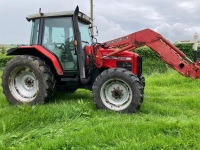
64 56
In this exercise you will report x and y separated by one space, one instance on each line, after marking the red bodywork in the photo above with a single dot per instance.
111 61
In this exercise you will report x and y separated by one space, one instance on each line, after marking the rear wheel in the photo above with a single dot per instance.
27 79
119 90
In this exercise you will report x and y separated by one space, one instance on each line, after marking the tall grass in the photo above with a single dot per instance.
168 119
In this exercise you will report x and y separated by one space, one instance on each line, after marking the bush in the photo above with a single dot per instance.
188 50
3 50
4 59
152 63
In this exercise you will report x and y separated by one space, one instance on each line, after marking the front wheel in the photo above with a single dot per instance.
27 79
119 90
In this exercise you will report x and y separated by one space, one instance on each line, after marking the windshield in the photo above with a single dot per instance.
85 33
57 30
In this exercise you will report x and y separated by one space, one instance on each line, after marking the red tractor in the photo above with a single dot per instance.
62 55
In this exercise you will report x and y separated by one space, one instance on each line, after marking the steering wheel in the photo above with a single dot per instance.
66 51
60 45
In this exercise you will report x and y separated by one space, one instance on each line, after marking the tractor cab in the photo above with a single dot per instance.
60 33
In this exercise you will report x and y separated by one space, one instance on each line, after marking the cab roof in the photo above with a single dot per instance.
81 15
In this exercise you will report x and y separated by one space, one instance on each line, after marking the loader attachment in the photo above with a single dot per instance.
170 54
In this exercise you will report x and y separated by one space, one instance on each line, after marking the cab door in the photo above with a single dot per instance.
58 38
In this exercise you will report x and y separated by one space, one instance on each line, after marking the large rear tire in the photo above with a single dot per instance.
27 79
118 90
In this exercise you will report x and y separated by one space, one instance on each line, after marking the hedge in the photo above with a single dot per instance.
2 50
188 50
152 63
4 59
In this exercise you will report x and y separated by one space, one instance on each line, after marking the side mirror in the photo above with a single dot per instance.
96 29
93 30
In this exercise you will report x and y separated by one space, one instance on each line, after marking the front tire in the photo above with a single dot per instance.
118 90
27 79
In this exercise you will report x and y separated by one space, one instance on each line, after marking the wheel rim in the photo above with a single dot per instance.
23 84
116 94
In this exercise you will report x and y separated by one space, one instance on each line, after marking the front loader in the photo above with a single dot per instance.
62 56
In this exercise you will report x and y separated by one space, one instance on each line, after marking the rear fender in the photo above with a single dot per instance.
38 51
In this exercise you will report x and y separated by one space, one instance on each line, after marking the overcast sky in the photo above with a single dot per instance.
174 19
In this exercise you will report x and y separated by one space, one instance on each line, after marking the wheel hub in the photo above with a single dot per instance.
117 93
29 83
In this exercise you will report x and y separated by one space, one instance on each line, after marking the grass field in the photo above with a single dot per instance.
169 119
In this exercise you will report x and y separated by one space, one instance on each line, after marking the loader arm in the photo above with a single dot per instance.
156 42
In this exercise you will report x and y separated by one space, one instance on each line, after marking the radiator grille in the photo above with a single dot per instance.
125 65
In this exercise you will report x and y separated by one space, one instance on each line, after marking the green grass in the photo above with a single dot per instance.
168 119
